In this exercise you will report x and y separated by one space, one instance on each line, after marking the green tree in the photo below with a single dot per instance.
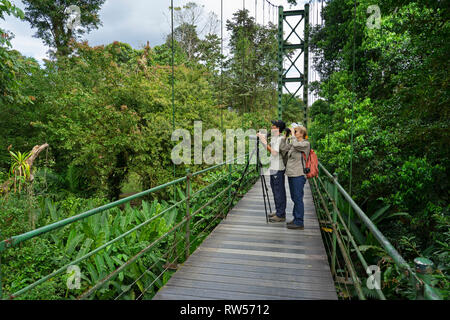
50 19
9 63
252 67
397 95
187 37
209 52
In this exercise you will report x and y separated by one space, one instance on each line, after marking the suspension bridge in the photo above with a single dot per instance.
216 249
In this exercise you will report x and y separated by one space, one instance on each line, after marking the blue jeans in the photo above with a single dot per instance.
279 191
296 185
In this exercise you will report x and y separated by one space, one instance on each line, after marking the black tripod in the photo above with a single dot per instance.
265 190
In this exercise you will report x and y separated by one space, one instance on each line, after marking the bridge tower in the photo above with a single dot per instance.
297 47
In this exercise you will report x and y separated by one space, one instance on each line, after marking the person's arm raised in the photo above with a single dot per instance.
300 146
268 147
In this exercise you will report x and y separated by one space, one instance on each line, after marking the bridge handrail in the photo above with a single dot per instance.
370 225
15 240
430 292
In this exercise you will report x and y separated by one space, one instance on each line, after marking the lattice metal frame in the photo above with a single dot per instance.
299 47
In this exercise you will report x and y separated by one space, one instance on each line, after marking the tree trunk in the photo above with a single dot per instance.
4 188
37 149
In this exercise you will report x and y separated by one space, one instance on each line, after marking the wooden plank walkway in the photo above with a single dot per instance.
244 258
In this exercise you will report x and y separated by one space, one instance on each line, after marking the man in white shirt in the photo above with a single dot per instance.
277 169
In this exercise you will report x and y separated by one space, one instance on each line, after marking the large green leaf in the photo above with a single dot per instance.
100 264
92 272
85 248
72 241
170 217
378 214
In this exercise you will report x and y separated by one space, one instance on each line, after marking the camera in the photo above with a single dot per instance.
267 134
287 132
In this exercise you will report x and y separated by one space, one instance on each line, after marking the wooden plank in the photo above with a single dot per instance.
214 294
264 228
258 290
260 217
269 230
255 263
301 263
233 279
274 236
266 253
309 224
271 275
260 270
260 240
279 247
276 227
167 295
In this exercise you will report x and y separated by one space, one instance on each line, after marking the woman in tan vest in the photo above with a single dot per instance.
293 148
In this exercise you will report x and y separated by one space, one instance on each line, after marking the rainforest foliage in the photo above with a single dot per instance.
393 81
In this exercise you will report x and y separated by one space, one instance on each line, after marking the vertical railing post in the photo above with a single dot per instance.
230 182
333 255
188 212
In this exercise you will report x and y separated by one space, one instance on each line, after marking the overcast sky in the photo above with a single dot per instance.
133 21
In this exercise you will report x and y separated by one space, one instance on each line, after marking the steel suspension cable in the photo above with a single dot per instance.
264 11
173 75
173 88
275 10
221 65
353 103
243 54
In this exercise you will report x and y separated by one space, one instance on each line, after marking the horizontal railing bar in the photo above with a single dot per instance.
369 224
350 236
210 185
165 256
74 262
217 166
288 13
134 258
342 248
13 241
210 201
194 214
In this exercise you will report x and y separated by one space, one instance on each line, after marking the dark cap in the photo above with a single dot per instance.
279 124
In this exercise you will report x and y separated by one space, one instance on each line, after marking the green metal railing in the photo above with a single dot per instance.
343 239
187 240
